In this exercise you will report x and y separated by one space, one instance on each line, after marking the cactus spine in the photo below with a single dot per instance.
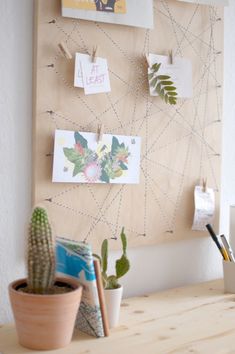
41 257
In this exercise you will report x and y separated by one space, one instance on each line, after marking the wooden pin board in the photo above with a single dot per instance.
180 144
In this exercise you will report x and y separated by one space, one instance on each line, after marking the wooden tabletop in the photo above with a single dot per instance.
194 319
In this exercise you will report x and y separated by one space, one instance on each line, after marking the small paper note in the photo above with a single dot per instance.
94 77
180 72
78 80
204 208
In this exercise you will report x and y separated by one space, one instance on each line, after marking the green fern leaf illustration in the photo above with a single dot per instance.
162 85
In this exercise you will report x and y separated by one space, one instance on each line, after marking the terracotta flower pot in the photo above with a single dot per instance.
45 322
113 298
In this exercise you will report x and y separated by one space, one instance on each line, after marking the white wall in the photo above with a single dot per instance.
15 139
228 151
153 268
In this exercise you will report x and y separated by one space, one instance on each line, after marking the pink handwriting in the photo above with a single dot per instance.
95 80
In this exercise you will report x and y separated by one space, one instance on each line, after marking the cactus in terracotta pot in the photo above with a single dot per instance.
41 257
44 304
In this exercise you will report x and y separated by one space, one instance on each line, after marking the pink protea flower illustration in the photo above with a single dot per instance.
92 171
78 147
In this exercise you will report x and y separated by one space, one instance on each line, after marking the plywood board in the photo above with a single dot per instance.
180 144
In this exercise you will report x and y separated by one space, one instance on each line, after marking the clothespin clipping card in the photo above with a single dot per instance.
204 185
94 54
64 50
171 58
146 55
100 132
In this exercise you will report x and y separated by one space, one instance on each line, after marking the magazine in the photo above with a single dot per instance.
75 259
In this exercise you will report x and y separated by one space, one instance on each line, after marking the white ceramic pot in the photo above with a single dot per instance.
113 298
229 277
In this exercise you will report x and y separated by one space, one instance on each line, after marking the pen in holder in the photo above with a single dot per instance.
229 277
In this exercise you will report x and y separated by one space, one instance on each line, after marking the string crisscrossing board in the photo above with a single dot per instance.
180 144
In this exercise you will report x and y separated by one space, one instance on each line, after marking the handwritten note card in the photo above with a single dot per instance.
180 72
78 80
204 208
94 77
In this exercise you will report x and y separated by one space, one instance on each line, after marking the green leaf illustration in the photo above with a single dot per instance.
71 154
170 88
172 100
156 67
150 76
163 77
104 177
167 83
162 85
153 82
78 167
115 145
158 88
80 139
172 93
123 166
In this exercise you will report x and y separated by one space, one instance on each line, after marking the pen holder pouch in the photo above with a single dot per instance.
229 277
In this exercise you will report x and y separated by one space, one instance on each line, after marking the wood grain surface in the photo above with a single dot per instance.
194 319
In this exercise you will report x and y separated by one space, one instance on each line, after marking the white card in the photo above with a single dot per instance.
204 208
95 76
180 72
78 80
208 2
79 158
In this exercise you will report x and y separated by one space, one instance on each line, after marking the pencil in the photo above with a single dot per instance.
215 239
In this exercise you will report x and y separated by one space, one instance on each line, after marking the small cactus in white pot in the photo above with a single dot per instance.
112 288
44 307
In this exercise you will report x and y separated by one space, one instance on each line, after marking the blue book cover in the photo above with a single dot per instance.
75 259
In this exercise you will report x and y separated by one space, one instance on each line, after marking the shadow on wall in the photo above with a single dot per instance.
172 265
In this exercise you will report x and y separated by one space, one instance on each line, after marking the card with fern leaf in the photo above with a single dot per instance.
162 84
170 81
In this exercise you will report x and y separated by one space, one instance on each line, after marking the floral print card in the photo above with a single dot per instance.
79 158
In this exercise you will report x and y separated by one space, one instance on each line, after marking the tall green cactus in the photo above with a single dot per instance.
122 264
41 256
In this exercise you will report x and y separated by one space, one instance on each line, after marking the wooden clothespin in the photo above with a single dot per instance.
94 54
64 50
170 56
204 185
146 55
100 131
